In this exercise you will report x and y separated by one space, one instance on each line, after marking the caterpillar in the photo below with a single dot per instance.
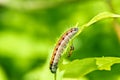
60 47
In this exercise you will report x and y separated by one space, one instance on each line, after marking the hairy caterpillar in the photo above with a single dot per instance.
60 47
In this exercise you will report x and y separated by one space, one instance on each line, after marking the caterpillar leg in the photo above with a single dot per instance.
71 50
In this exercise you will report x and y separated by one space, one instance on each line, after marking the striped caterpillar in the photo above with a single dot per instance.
60 47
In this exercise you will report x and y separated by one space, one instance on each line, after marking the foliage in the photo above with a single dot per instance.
28 32
83 67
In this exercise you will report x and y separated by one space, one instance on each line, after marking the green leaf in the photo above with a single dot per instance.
82 67
98 17
79 67
105 63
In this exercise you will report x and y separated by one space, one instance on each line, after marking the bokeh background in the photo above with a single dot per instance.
29 30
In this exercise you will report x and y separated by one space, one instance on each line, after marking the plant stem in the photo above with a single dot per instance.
55 76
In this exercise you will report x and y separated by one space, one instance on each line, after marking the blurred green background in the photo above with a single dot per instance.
30 28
